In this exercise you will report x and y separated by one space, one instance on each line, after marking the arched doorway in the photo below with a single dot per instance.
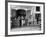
21 13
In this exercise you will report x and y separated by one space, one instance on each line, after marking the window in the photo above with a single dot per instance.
37 8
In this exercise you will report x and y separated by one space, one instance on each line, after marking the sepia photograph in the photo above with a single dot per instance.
25 18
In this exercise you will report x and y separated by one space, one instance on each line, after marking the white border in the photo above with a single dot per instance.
9 25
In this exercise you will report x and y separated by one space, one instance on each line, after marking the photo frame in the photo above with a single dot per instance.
24 18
